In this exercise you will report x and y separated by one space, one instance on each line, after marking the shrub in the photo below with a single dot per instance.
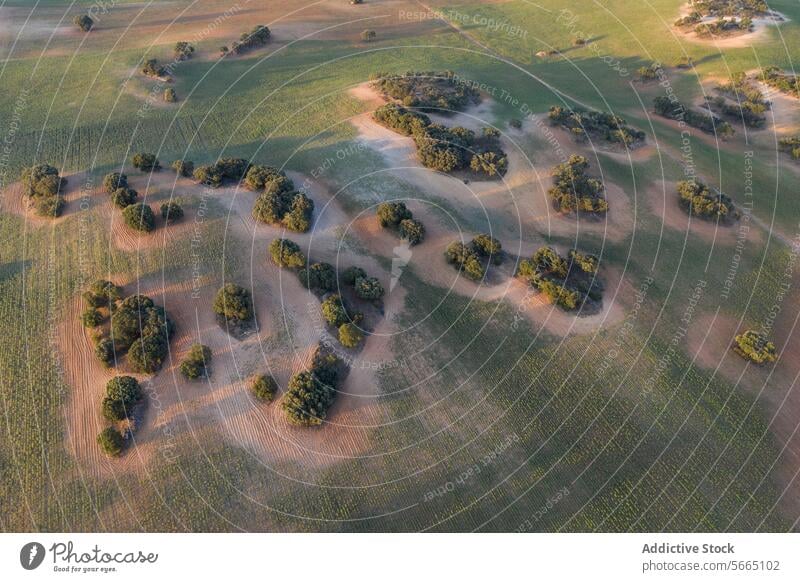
139 217
111 441
171 211
146 162
233 303
334 311
258 177
113 181
169 95
318 276
101 293
125 389
208 176
151 68
350 336
104 351
488 246
197 362
369 288
755 347
91 317
146 355
565 284
124 197
84 22
182 50
368 35
392 213
264 387
412 230
43 185
352 274
183 168
278 204
286 253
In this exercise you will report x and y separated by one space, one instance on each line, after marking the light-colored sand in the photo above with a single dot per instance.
758 34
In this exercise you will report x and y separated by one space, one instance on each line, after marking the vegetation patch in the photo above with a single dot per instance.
311 392
43 185
197 363
739 99
122 407
256 38
280 203
474 258
571 283
396 216
790 145
264 387
755 347
233 306
706 122
574 191
584 124
427 91
780 80
697 199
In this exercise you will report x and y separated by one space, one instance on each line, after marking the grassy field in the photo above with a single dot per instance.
541 417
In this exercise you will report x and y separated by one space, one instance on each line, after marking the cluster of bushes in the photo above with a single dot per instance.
232 169
233 306
791 145
264 387
697 199
785 82
474 258
749 103
724 26
339 316
730 7
311 393
184 168
280 203
649 72
583 124
666 107
396 216
123 394
152 68
427 90
574 191
116 185
364 286
258 37
320 277
400 119
146 162
755 346
286 253
182 50
197 362
84 22
43 185
567 282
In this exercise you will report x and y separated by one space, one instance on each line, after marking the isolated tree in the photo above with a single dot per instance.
197 362
286 253
264 387
369 288
84 22
124 388
233 303
171 211
139 217
124 197
368 35
169 95
110 441
113 181
350 336
182 50
412 230
183 168
146 162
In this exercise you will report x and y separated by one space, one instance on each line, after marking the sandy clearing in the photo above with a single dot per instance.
759 33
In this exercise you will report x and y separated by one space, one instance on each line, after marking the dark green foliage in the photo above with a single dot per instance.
280 203
43 185
91 317
258 177
489 163
113 410
286 253
124 389
755 346
369 288
443 148
352 274
124 197
574 191
428 90
146 162
672 109
113 181
233 168
566 284
257 37
84 22
400 119
298 218
264 387
334 311
102 293
183 168
349 335
49 206
488 247
584 123
171 211
104 351
392 213
310 393
139 217
169 95
318 277
183 50
208 176
465 259
724 26
197 362
233 303
146 355
137 316
111 441
697 199
152 68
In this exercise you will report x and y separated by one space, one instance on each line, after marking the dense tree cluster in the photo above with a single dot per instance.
43 185
584 124
280 203
712 124
84 22
287 253
724 26
258 37
755 346
146 162
396 216
171 211
139 216
574 191
428 90
183 50
264 387
698 199
116 185
785 82
197 362
319 277
225 169
143 329
400 119
464 258
569 283
310 393
489 247
233 304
